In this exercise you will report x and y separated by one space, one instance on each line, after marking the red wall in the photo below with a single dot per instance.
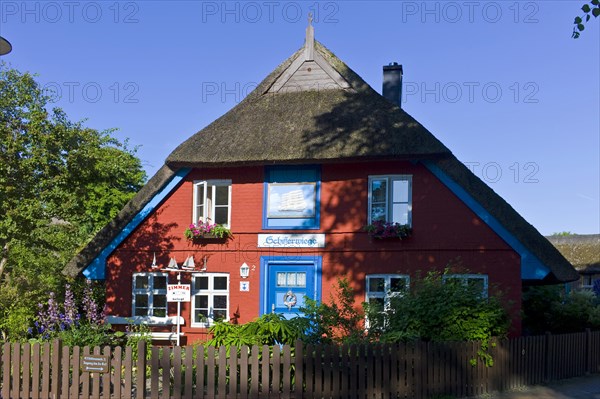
444 230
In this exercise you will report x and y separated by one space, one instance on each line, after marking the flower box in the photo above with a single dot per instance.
207 231
387 230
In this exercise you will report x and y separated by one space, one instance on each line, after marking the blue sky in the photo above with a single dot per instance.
501 83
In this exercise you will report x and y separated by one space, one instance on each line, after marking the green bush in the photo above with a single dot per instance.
335 322
268 329
434 310
551 309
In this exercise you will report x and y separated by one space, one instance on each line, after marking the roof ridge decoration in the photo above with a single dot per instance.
309 70
309 43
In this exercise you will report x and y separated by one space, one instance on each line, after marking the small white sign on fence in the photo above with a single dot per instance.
178 292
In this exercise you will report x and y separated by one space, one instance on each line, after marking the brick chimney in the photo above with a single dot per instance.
392 83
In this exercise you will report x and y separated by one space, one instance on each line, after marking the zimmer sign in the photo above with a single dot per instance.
178 292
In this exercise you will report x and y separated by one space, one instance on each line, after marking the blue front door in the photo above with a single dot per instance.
287 283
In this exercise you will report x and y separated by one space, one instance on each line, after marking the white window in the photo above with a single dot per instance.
588 281
382 287
390 199
210 301
212 201
478 281
150 294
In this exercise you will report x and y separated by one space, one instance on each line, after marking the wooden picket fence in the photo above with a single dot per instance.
418 370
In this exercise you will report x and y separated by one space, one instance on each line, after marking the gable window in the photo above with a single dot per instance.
150 294
210 301
212 202
477 281
390 199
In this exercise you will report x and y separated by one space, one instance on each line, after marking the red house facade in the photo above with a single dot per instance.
297 171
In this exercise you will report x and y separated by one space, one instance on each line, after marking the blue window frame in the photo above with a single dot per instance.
292 197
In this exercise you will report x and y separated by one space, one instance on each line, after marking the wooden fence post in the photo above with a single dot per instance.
55 376
140 378
5 364
588 351
298 370
549 357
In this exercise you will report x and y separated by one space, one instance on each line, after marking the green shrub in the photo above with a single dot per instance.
434 310
335 322
551 309
268 329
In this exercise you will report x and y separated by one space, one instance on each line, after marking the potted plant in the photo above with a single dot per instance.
381 229
206 230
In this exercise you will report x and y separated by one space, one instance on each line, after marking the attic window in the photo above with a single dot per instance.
390 199
212 202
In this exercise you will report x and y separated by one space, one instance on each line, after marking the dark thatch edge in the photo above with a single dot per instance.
510 219
582 250
103 238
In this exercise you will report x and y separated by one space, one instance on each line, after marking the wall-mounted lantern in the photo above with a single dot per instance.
244 271
5 46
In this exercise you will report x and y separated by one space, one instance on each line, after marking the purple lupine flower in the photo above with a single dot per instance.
69 307
90 307
52 308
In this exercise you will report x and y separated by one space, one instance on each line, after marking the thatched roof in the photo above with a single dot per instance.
309 125
583 251
343 121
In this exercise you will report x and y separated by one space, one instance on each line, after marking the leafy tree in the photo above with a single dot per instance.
593 8
60 182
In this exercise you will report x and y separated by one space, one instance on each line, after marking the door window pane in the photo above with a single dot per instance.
281 279
291 279
301 280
